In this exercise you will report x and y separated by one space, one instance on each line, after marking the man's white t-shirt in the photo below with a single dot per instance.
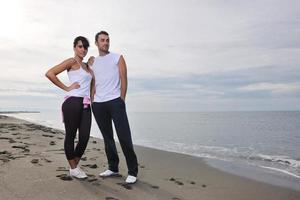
107 77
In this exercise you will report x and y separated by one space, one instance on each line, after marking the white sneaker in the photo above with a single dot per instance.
77 173
130 179
108 173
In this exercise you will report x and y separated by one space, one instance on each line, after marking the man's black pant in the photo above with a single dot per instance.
115 110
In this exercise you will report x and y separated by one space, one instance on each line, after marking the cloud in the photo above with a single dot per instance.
276 88
28 88
179 52
265 82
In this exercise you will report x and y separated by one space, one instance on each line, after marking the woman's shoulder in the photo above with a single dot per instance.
70 61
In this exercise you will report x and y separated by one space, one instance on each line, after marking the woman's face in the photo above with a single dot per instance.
79 50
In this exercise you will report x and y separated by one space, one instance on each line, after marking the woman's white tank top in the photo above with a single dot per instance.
84 79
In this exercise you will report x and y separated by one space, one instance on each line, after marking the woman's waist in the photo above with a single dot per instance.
79 92
77 100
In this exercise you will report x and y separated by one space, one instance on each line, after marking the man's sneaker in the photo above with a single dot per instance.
130 179
77 173
108 173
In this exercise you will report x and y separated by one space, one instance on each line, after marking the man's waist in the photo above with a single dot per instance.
104 98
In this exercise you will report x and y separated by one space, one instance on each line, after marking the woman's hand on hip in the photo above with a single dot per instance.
74 85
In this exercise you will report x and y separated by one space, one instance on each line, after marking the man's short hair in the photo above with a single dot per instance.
101 32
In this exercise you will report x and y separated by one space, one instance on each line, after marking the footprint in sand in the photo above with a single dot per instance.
125 185
111 198
91 175
94 166
92 180
24 147
142 166
55 150
192 182
179 183
154 186
44 135
62 169
4 152
6 156
97 183
94 158
11 141
47 160
64 177
176 181
35 161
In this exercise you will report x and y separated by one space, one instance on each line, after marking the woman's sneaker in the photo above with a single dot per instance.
77 173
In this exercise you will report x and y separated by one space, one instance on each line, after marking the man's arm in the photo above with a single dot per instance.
123 77
92 90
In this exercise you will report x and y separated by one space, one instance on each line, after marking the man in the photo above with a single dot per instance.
109 105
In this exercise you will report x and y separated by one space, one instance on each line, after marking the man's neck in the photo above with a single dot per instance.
103 53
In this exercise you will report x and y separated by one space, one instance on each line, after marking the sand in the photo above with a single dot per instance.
33 166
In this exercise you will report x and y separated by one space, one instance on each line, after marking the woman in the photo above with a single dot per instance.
76 107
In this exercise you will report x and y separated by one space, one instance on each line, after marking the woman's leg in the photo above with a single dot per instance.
72 114
84 133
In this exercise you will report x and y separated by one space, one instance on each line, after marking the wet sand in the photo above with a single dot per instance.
33 166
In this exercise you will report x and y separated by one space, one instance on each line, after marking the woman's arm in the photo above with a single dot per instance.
52 73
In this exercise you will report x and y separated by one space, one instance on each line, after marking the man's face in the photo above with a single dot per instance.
103 42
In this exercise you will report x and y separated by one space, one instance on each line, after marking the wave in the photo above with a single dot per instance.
281 170
283 160
248 155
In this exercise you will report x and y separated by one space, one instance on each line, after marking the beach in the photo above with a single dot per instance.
33 166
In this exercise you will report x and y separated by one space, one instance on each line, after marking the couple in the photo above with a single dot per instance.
101 84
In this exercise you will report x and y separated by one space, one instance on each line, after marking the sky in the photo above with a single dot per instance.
183 56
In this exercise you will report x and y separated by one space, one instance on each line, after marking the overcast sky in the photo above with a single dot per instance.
191 55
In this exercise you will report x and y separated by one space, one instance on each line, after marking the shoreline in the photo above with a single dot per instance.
17 112
33 166
246 170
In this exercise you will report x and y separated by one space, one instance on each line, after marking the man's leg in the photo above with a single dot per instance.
121 123
103 119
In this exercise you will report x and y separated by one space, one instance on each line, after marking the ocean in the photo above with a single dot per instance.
264 146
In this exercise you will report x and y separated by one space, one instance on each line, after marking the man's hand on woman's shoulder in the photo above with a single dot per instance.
91 61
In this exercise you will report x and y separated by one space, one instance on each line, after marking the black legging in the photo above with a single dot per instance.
115 110
76 117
